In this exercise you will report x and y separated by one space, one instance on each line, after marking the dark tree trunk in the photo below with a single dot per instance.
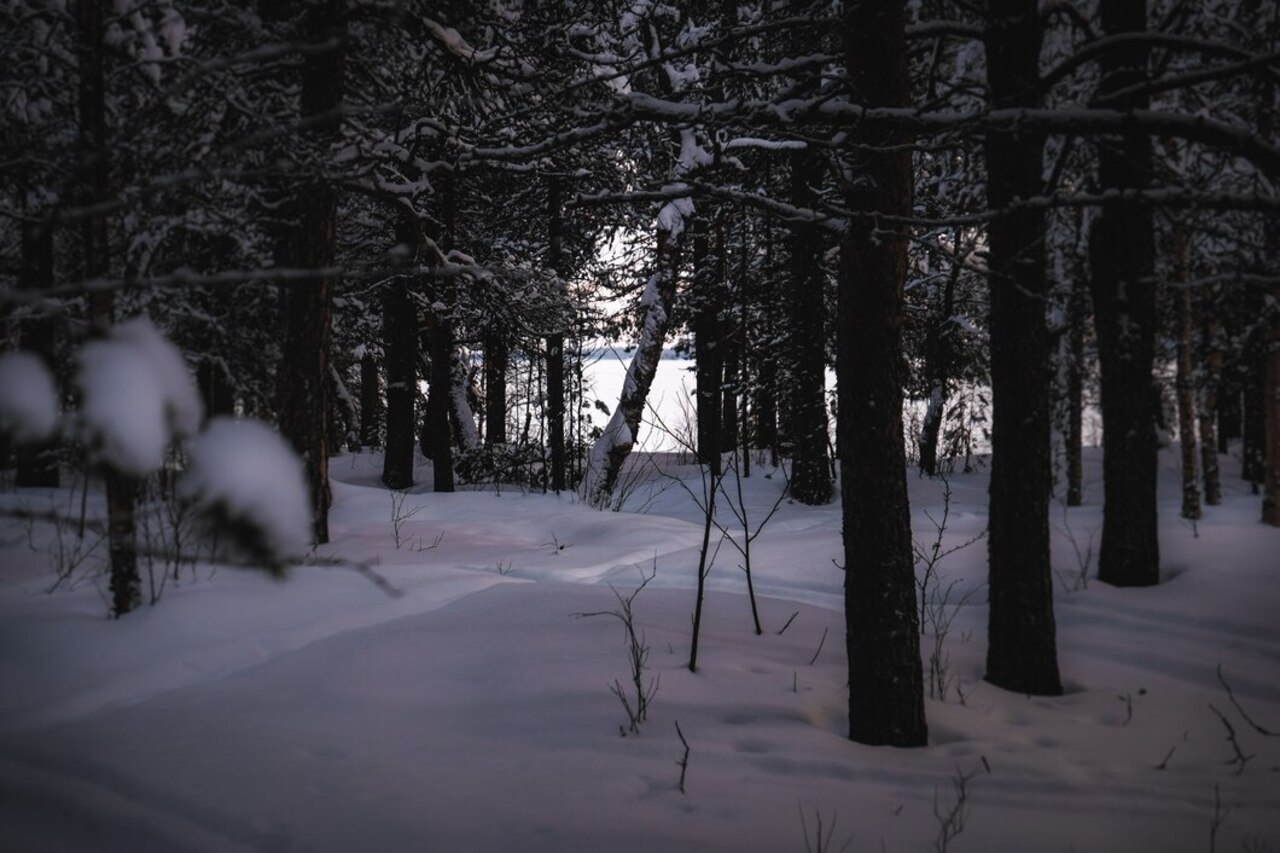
439 430
438 425
886 684
496 357
937 353
216 391
1209 409
729 426
555 343
1021 633
764 408
1121 252
122 489
1271 358
708 341
122 541
304 374
764 395
1078 317
1253 447
732 338
371 399
1185 378
400 356
805 351
37 462
1230 419
1271 401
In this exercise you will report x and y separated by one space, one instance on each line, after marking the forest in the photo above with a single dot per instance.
948 328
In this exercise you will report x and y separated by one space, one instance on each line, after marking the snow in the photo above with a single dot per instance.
472 712
28 397
672 215
136 395
243 471
169 371
123 415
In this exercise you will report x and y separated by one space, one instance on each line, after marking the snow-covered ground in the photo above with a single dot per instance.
473 712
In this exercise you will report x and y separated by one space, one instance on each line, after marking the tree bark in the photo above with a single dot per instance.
371 400
304 375
610 450
805 351
886 684
937 353
1021 631
122 547
764 395
1121 252
1078 317
1230 419
496 357
708 341
1185 378
1270 95
1271 403
1253 445
400 356
555 342
1212 331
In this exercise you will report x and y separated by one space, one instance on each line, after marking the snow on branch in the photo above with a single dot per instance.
456 44
1093 49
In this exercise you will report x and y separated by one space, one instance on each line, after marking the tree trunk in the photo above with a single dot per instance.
439 432
729 425
1185 378
1230 419
1209 408
937 353
1271 405
555 343
805 351
460 410
400 357
708 341
122 547
216 390
1078 316
764 391
1022 645
304 375
496 357
886 684
1253 445
371 399
1121 252
1270 95
610 450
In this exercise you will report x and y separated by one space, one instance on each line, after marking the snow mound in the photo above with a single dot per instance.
136 395
28 397
184 409
123 412
244 478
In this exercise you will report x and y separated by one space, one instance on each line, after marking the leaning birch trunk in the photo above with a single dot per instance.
468 432
610 450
